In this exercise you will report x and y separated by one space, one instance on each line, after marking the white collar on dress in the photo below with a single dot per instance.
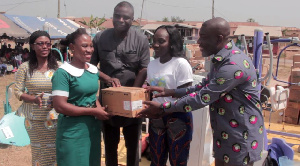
76 72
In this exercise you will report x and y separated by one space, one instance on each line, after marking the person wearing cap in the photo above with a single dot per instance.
33 86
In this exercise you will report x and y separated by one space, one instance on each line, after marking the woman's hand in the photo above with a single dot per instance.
38 99
161 92
101 114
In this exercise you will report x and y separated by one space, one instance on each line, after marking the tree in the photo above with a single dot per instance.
165 19
250 20
94 22
176 19
173 19
284 32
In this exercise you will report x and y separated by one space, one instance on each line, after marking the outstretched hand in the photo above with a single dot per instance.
152 110
161 92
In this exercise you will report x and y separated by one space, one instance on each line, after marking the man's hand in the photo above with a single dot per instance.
162 92
152 110
114 82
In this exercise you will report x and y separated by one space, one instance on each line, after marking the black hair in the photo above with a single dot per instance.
25 50
70 38
33 62
125 4
175 40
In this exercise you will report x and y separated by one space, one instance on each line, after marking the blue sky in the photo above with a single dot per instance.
265 12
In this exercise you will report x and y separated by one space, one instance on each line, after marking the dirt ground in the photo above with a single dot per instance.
21 156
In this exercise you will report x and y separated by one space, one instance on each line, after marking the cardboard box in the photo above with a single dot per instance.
295 72
296 58
291 120
292 112
294 96
294 87
295 79
293 104
124 101
296 65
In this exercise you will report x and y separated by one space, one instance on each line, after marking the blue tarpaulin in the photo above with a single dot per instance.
56 27
11 29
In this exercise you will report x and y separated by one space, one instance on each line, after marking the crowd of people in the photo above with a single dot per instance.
67 132
13 57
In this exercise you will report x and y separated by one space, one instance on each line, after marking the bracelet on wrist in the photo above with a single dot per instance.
162 108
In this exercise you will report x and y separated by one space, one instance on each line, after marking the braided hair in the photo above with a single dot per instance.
33 62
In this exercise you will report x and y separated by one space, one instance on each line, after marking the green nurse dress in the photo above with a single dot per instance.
77 137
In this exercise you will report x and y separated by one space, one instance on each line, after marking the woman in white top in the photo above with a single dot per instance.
170 135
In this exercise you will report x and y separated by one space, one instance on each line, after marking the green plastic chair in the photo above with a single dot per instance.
12 128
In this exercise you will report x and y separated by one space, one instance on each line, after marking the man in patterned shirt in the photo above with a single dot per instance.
230 90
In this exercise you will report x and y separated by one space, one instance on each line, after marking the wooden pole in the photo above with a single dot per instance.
58 10
142 12
213 9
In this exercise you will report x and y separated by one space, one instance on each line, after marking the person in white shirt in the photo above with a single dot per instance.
170 135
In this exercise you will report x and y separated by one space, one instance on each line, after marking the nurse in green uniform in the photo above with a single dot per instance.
74 88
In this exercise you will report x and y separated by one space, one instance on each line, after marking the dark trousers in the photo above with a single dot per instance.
131 132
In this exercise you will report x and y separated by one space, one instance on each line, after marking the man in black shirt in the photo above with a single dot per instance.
123 54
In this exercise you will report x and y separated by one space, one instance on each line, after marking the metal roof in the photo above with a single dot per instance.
249 30
151 26
155 26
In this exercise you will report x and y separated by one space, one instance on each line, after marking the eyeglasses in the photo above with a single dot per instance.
42 44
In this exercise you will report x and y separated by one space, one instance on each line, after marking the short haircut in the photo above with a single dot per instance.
125 4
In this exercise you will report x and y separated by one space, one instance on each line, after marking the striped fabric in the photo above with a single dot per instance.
40 123
42 137
39 82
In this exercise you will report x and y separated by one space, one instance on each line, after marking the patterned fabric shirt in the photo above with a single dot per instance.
235 110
